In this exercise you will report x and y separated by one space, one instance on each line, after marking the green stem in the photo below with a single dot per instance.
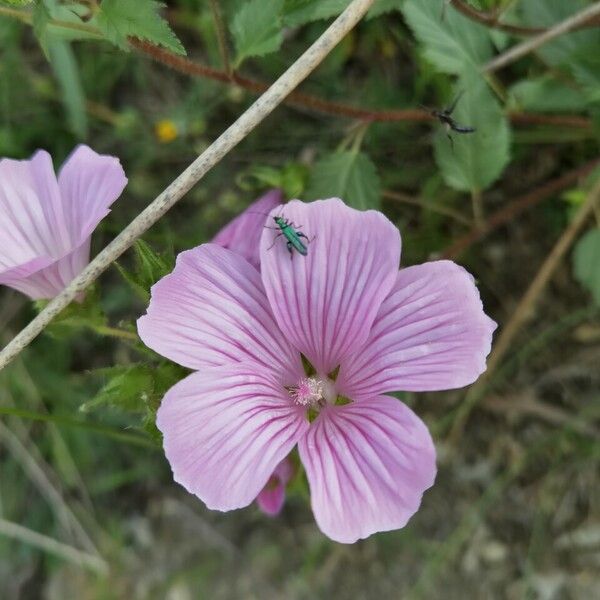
26 17
115 332
16 14
116 434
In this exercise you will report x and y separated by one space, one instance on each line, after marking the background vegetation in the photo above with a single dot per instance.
88 508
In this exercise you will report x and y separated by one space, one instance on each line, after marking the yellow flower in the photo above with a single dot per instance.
166 131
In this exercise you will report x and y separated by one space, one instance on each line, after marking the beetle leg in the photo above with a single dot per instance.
300 234
290 250
275 240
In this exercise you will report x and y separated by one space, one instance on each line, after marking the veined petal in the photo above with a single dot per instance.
45 224
31 218
242 235
50 279
89 183
326 302
368 464
430 334
212 310
225 430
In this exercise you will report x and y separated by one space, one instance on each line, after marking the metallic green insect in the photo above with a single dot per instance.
292 236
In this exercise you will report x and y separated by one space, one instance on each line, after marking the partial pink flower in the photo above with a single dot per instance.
364 329
271 498
46 222
242 234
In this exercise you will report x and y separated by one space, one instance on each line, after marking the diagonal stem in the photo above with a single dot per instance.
534 43
232 136
524 309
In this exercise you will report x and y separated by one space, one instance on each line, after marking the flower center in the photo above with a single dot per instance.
308 392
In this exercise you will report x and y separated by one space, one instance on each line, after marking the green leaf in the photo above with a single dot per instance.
256 29
586 70
299 12
85 313
384 6
135 388
66 71
586 263
452 43
478 158
545 13
149 268
546 94
349 175
118 19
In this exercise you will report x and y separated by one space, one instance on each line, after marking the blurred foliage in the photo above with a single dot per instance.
519 481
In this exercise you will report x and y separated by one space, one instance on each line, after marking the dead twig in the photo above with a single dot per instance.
536 42
524 310
518 206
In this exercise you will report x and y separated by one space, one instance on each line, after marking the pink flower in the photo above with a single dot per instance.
271 498
46 222
366 329
242 234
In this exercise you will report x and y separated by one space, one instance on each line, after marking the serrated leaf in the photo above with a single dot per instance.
256 28
149 268
474 160
127 389
586 263
118 19
135 388
348 175
546 94
452 43
66 71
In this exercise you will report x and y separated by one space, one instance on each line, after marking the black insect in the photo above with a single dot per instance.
445 118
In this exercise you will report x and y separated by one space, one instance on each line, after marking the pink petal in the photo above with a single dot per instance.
242 234
50 280
31 219
225 431
368 464
326 302
212 310
272 496
430 334
89 183
45 224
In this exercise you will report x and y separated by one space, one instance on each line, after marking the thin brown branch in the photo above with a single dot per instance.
491 20
317 104
524 309
518 206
